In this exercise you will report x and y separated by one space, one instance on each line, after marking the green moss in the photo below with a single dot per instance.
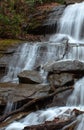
6 43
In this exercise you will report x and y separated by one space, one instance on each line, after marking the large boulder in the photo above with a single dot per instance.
18 92
60 79
65 66
30 77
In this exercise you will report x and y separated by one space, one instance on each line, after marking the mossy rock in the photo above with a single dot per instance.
7 43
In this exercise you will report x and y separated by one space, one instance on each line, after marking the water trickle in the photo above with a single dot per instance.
77 97
9 105
44 75
31 57
80 125
75 53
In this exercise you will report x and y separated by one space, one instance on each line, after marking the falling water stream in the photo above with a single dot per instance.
71 28
71 24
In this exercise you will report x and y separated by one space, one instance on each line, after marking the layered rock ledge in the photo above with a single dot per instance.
65 66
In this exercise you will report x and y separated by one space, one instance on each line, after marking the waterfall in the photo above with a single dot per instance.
40 117
75 53
71 24
80 126
71 27
9 105
77 97
23 59
29 56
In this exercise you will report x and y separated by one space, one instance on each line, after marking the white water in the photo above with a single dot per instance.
41 116
22 59
75 53
77 97
9 106
71 24
31 55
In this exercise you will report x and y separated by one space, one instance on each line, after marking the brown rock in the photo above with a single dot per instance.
60 79
50 125
19 92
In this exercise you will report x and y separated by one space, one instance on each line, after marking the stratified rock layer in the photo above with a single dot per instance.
65 66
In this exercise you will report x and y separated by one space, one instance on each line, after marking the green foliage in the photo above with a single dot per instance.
60 1
4 19
10 25
14 14
33 2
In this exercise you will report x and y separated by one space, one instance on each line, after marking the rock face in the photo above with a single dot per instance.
60 79
61 98
46 24
18 92
65 66
30 77
3 69
52 20
64 72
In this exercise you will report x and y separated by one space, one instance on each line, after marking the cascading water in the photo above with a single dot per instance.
75 101
29 56
71 25
77 97
75 53
23 59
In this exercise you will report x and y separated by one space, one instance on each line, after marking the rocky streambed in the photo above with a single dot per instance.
32 92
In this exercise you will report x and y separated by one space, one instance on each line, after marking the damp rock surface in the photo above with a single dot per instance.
60 79
30 76
21 92
65 66
60 99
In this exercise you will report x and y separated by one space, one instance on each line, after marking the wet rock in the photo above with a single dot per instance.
60 79
60 99
30 76
20 92
3 69
49 52
77 112
52 20
65 66
56 124
9 51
